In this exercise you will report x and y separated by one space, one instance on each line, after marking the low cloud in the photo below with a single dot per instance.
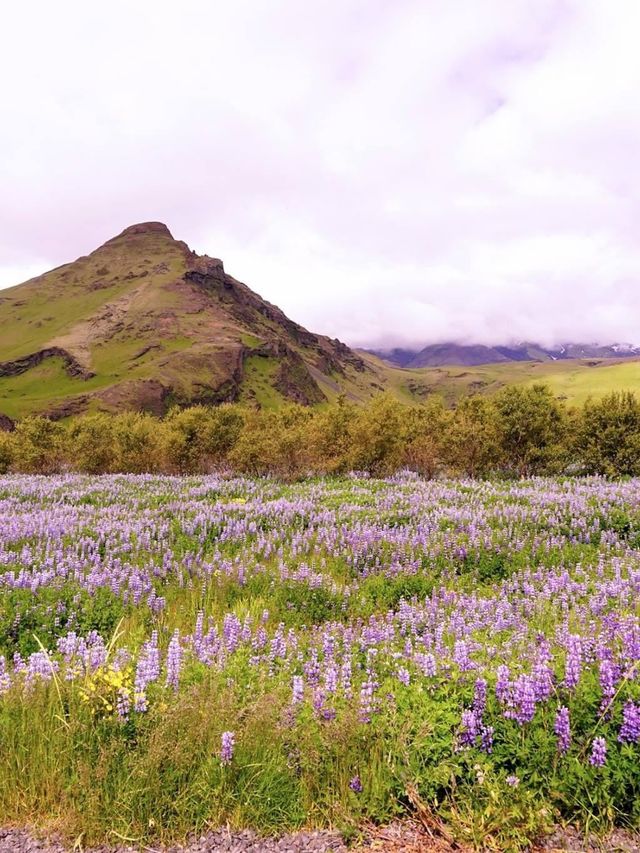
387 172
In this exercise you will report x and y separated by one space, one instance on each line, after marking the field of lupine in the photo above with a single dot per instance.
179 653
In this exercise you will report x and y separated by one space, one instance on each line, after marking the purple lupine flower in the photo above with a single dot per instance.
312 669
470 728
5 677
503 684
630 728
40 667
318 700
427 664
573 664
345 675
174 661
123 703
356 785
297 683
562 729
608 676
331 677
461 655
367 691
480 696
598 757
525 699
486 739
543 677
403 676
147 671
227 745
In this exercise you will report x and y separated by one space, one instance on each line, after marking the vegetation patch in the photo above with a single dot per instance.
178 653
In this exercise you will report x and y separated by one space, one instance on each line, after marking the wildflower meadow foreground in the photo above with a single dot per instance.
179 653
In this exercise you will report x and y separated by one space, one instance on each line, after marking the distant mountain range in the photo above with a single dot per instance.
441 355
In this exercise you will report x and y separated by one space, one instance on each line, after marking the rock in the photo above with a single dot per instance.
20 365
147 228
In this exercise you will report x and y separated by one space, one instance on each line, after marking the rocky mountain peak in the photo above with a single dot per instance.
147 228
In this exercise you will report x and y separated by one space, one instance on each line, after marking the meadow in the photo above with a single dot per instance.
182 652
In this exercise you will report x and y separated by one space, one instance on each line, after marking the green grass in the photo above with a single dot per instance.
41 386
573 380
34 313
258 384
69 763
578 384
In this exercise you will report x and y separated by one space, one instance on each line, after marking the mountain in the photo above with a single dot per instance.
145 323
449 354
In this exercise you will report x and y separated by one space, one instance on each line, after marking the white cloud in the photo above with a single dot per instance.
386 172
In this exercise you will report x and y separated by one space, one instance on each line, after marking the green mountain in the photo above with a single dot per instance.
145 323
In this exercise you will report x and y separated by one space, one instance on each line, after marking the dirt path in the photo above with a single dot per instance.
402 837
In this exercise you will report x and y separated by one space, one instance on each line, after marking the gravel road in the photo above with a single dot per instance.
402 837
20 841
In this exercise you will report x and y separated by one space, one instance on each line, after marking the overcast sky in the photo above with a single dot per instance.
387 171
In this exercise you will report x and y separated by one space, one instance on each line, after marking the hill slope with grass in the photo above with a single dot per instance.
145 323
571 380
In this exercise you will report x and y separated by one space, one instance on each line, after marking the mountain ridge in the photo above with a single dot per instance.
469 355
144 322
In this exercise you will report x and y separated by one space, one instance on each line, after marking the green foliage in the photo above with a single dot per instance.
93 440
473 439
7 451
377 436
330 436
29 618
608 435
531 427
523 431
138 442
308 605
379 592
199 438
426 430
39 446
274 443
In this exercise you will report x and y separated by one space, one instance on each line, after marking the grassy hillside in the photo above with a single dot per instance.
570 380
573 380
143 323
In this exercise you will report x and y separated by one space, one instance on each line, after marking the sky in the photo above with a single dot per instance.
389 172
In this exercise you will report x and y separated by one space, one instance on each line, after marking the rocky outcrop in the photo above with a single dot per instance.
67 408
146 228
20 365
294 382
329 355
138 395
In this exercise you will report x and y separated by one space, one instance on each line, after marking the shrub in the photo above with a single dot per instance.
608 435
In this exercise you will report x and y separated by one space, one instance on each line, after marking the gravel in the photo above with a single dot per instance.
225 841
402 837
